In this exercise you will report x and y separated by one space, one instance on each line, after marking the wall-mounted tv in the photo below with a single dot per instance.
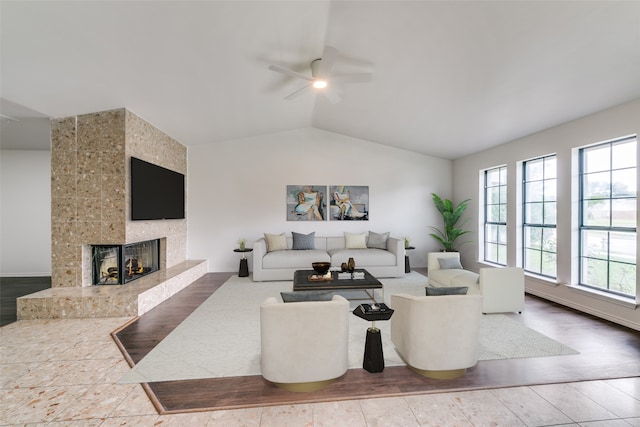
156 192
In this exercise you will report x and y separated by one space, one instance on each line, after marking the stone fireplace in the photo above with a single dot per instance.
90 205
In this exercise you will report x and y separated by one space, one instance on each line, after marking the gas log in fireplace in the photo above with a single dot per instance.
120 264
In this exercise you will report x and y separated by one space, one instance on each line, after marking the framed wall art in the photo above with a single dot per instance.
306 202
349 203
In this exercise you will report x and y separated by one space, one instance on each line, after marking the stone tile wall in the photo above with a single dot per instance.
90 190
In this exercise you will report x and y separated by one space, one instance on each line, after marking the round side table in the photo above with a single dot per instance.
244 266
407 266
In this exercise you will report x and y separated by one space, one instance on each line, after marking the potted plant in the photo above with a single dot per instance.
451 215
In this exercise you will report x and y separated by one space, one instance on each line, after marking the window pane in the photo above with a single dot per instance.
597 185
493 178
532 261
623 213
534 170
493 213
534 191
624 183
622 278
549 263
533 237
533 213
503 194
550 190
594 272
502 255
550 167
596 213
503 175
597 159
491 252
493 195
595 243
502 234
549 240
624 155
491 233
550 213
503 213
623 247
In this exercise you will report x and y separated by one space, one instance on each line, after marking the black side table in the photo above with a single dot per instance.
407 267
244 266
373 356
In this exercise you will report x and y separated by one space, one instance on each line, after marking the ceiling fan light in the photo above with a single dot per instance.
320 84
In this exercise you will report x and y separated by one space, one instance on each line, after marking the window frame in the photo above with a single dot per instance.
582 227
499 246
543 226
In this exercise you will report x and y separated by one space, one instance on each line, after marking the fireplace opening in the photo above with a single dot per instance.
120 264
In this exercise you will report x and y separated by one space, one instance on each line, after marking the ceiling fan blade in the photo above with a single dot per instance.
332 95
329 57
349 78
290 72
297 93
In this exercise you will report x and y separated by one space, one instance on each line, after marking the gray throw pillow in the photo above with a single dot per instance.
377 241
306 296
303 241
449 264
453 290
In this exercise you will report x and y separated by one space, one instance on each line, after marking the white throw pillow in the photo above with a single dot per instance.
355 241
275 242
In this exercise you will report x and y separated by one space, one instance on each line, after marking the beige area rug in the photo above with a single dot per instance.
221 338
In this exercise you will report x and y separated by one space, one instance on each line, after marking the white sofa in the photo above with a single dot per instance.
502 288
281 264
304 345
437 336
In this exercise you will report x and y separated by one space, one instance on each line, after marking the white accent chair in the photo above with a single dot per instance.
501 287
304 344
437 336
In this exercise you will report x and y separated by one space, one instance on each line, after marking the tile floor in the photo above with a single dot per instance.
66 372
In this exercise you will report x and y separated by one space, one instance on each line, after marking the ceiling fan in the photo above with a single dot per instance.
321 77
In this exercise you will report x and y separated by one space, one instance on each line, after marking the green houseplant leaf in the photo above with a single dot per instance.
451 216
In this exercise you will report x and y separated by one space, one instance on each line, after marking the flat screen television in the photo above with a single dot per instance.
156 192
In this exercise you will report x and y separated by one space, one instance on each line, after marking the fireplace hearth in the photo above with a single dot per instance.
120 264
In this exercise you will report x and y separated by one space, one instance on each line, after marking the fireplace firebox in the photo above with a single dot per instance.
120 264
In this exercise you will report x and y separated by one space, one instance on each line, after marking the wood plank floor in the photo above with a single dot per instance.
606 351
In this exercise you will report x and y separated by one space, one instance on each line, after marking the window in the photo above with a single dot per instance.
495 215
539 216
608 176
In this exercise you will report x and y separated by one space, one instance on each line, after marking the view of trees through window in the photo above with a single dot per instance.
608 176
539 216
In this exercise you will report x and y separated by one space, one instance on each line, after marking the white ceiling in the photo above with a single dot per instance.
450 77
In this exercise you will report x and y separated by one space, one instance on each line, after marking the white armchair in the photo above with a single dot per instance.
437 336
304 344
501 287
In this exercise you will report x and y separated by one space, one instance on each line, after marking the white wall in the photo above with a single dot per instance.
237 190
615 122
25 213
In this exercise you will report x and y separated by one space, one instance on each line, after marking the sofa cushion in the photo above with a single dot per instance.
452 277
275 242
377 241
449 263
355 241
363 257
289 259
447 290
306 296
303 241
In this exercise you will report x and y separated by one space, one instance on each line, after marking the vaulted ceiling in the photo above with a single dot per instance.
449 77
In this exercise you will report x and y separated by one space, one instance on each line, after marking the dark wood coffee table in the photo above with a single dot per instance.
369 284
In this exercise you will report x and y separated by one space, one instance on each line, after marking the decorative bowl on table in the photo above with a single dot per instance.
321 267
